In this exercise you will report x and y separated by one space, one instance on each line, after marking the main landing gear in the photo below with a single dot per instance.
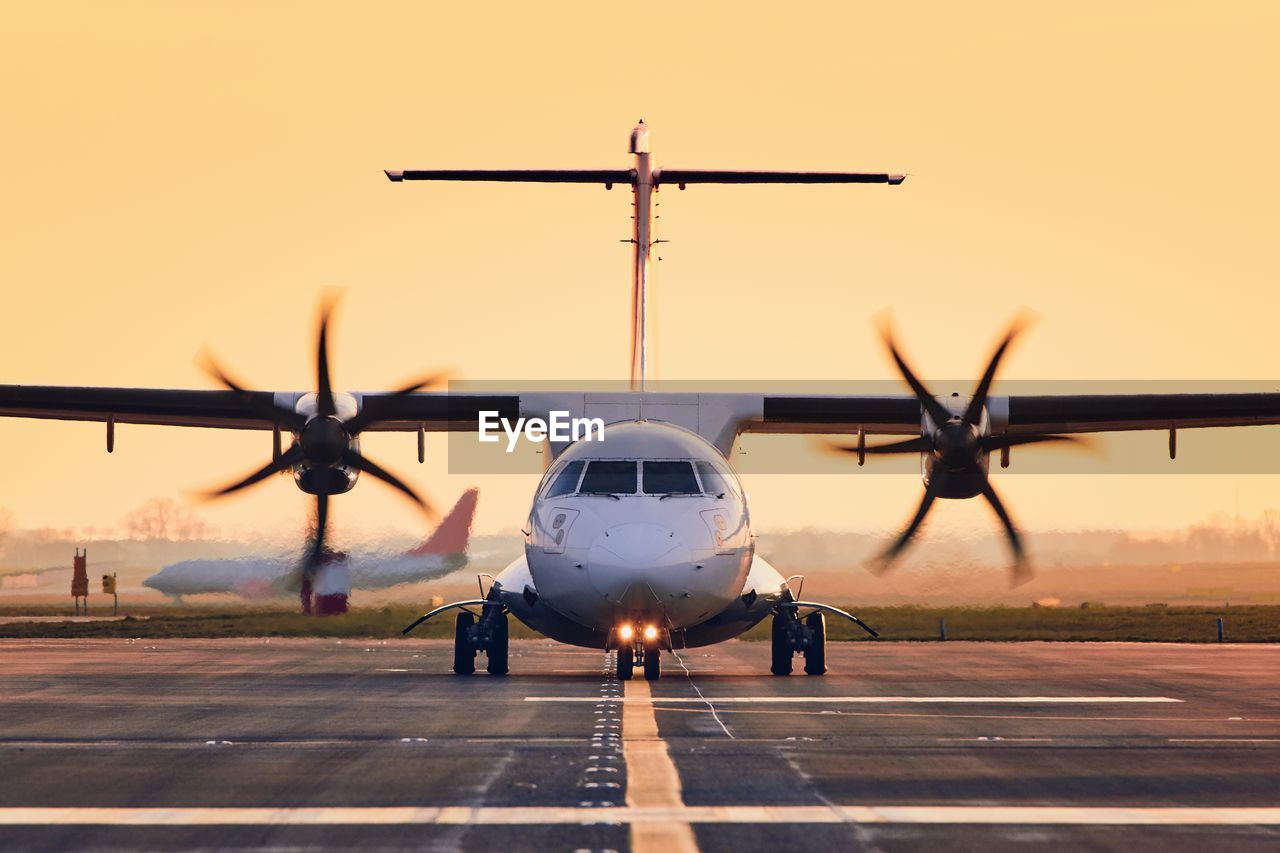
808 636
489 635
791 635
641 648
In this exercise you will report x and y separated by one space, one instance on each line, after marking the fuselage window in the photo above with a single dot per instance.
610 478
713 481
669 478
566 482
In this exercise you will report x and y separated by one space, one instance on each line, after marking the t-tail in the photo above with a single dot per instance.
645 179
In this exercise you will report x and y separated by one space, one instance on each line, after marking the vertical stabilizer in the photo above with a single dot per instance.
642 245
454 532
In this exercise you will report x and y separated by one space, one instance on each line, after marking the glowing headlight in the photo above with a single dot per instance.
625 632
650 632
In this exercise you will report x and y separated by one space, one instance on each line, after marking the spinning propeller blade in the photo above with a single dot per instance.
936 411
1019 572
287 460
325 405
315 548
959 452
885 561
364 463
363 420
321 440
979 401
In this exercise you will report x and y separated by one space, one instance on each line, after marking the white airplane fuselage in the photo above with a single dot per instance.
647 527
680 561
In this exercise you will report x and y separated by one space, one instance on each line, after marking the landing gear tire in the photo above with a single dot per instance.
497 650
652 663
815 656
626 663
464 654
781 646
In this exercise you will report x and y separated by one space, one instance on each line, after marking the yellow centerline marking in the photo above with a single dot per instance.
652 779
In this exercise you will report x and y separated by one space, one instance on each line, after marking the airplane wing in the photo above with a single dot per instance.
833 414
818 414
232 410
224 409
1115 412
1060 414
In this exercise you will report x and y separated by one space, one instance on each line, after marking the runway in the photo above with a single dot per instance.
325 744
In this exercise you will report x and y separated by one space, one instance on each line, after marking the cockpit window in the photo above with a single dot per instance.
566 482
669 478
610 478
714 481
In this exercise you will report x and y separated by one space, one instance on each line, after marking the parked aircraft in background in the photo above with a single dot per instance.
444 551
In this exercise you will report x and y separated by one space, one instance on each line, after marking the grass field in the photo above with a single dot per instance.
1242 624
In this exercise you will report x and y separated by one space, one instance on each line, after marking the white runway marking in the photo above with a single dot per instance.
875 700
993 738
1224 740
654 816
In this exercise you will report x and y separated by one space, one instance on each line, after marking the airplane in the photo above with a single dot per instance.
441 553
642 542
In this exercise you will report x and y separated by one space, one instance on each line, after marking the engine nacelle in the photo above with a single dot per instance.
324 441
325 479
957 450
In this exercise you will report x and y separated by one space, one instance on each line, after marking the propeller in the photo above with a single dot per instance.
322 441
958 447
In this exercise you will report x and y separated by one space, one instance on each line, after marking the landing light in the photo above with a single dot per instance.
650 632
625 632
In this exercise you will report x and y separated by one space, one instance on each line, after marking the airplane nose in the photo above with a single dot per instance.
627 564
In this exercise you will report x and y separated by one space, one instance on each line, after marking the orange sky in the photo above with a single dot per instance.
182 174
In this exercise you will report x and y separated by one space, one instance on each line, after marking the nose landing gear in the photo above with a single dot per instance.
626 662
652 661
638 647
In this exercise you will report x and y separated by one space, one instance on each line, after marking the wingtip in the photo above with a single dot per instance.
894 180
396 175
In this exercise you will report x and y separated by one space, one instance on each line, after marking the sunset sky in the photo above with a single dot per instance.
179 175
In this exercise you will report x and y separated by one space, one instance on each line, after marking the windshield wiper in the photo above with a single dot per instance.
602 495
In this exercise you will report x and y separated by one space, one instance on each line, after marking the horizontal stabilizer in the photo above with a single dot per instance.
534 176
721 176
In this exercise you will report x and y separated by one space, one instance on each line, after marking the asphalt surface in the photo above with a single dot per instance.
326 744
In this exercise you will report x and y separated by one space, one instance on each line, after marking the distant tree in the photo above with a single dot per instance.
6 525
164 518
1270 524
